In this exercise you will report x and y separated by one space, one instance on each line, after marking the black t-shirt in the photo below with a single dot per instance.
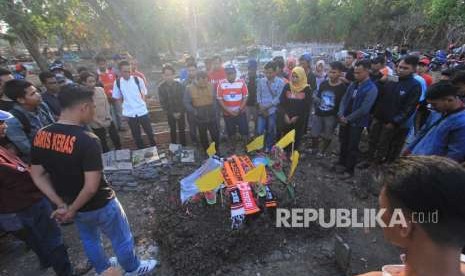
295 104
330 98
350 74
66 152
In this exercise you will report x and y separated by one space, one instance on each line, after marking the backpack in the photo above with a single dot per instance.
136 79
23 120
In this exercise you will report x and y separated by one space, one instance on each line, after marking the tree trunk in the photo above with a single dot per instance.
14 18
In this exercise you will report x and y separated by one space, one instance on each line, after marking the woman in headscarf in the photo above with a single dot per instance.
320 72
295 102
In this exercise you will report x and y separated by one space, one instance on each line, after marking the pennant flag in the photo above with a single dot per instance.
256 144
210 180
287 139
295 160
257 174
211 149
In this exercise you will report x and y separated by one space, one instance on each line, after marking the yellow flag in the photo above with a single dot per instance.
295 160
211 149
287 139
257 174
210 180
256 144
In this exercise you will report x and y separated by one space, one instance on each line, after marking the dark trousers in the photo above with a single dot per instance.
385 144
135 123
237 122
102 135
44 237
349 139
212 128
192 127
300 128
181 127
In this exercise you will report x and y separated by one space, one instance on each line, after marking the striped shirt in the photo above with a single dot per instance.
232 94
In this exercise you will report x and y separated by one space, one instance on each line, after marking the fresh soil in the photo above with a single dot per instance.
196 239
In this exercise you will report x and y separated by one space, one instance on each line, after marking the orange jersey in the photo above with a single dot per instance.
232 94
107 78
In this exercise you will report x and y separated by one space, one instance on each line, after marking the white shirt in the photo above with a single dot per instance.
133 102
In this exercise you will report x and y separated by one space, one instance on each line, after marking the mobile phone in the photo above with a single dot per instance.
393 78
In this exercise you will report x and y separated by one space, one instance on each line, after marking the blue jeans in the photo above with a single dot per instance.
112 221
267 126
44 237
239 121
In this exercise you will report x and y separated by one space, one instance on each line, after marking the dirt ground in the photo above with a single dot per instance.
198 240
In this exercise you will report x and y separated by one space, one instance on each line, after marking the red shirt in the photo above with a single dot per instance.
17 190
428 79
215 76
140 75
107 78
232 94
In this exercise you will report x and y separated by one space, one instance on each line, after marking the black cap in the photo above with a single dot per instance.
440 90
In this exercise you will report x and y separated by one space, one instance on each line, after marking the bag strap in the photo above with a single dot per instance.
23 120
136 80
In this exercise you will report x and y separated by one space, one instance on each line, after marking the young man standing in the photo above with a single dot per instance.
393 113
23 204
5 103
67 168
327 101
191 69
171 93
251 81
445 136
232 98
423 71
131 91
107 77
269 91
424 187
50 96
354 115
350 60
30 115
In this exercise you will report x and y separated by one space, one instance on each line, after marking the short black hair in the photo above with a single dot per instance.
217 57
428 184
378 60
190 60
100 59
191 64
201 75
167 67
365 63
271 65
459 78
411 60
84 76
44 76
441 89
352 53
123 63
449 72
15 89
73 94
279 61
337 65
4 71
82 69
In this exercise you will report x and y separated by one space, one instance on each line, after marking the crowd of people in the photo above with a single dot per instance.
52 140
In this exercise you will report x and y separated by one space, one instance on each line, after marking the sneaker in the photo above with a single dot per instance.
144 268
113 262
346 176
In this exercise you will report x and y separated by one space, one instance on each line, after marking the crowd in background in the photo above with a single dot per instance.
59 133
